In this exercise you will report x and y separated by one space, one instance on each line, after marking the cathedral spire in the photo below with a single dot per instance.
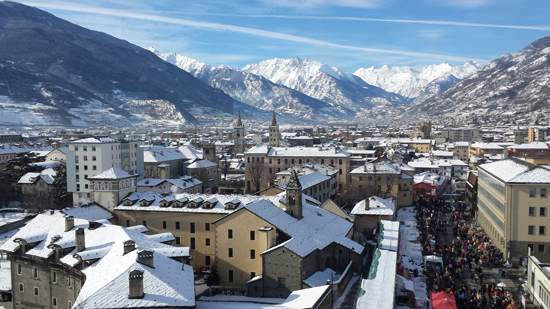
273 120
239 121
274 138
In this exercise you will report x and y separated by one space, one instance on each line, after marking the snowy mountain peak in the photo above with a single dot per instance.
411 83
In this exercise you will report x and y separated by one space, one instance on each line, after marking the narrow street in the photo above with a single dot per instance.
473 270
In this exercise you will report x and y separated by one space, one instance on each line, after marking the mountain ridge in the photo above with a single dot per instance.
66 67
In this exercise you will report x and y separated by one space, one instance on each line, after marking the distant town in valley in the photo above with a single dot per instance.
131 178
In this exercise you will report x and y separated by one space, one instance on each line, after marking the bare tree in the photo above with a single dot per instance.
255 174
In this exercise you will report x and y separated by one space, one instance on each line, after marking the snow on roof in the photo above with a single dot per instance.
308 180
190 152
47 175
112 173
218 208
297 151
379 288
202 164
107 283
7 148
532 145
376 168
307 152
377 206
440 153
317 229
423 163
388 239
429 178
320 278
306 298
92 140
182 182
517 171
461 144
153 154
90 212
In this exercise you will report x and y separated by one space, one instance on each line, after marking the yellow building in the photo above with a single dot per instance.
381 179
264 162
188 216
285 243
513 207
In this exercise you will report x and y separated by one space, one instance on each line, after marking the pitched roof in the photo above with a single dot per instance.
46 175
106 283
202 164
153 154
308 180
517 171
317 228
216 208
112 173
377 206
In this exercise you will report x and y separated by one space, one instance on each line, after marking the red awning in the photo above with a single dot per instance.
443 300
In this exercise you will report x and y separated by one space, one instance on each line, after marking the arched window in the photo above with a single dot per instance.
109 186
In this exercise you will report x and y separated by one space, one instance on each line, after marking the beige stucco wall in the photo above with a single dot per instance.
241 222
154 221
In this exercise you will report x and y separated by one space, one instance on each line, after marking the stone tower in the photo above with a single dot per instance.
294 196
274 132
209 152
239 144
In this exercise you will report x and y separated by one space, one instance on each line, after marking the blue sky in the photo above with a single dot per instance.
348 34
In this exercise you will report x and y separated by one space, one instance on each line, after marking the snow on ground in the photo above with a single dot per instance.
411 253
9 217
5 268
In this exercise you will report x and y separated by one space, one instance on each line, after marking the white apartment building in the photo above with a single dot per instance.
91 156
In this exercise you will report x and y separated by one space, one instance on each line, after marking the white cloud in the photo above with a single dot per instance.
325 3
468 4
240 29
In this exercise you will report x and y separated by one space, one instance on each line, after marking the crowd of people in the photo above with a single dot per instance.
462 256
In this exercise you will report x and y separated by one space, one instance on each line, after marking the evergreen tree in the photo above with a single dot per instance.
21 164
214 277
61 198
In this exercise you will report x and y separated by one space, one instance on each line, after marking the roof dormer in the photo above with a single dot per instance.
129 202
146 202
180 202
195 203
233 204
210 203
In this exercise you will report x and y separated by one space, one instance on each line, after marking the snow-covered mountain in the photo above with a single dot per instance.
513 86
412 83
258 91
74 76
323 82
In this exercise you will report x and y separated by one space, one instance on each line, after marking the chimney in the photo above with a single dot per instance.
367 203
129 246
135 279
69 223
145 257
79 240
